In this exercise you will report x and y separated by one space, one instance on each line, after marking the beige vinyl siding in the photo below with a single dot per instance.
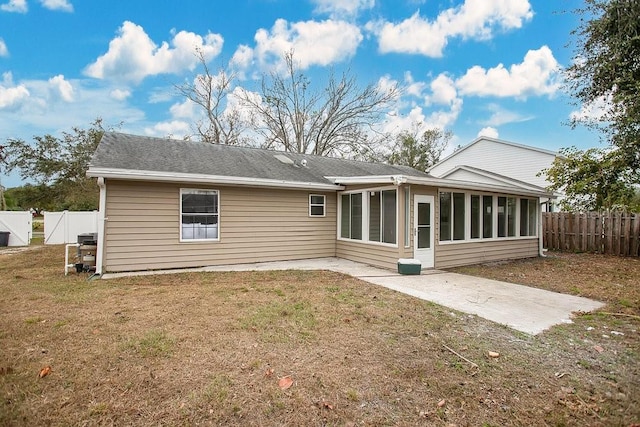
457 254
256 225
367 253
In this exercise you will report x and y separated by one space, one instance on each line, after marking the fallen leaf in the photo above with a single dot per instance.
44 371
598 348
268 372
326 404
441 403
285 382
494 354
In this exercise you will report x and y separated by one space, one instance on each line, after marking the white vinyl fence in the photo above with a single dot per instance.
64 227
18 224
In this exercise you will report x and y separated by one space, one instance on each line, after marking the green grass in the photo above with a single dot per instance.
152 344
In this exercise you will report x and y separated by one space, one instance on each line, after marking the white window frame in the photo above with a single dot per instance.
365 216
467 219
217 214
324 205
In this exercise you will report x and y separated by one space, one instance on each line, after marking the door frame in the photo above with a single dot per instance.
430 253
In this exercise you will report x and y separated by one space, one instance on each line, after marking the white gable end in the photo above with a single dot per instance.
514 161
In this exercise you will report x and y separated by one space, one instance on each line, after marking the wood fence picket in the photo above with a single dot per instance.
614 233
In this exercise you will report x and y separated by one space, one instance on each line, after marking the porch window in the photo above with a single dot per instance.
452 222
317 205
382 216
506 216
528 217
369 216
199 214
351 217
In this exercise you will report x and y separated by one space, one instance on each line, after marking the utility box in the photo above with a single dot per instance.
409 266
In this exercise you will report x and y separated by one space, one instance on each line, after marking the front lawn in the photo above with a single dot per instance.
220 348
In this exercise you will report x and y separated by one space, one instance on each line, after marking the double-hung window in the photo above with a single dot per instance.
317 205
199 215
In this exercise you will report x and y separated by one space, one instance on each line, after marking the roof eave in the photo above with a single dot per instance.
468 185
140 175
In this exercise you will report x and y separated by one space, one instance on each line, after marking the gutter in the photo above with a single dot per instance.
156 176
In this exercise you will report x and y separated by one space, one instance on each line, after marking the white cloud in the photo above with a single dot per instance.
500 116
538 74
62 87
183 110
4 51
443 89
313 43
595 111
474 19
19 6
489 132
11 96
132 55
119 94
242 59
62 5
342 8
172 129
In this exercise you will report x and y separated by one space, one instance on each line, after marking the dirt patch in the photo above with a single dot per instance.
213 348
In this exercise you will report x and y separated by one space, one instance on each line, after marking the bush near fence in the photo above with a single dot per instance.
613 233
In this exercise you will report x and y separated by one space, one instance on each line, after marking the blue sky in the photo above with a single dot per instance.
470 66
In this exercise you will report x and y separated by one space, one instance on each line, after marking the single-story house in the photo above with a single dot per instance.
496 161
167 204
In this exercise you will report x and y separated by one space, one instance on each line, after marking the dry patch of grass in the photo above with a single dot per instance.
210 348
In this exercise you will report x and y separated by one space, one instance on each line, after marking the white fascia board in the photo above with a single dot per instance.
467 185
364 180
139 175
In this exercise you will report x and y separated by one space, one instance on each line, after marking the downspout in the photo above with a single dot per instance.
101 224
540 236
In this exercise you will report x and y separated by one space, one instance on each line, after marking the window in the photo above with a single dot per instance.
382 216
369 216
452 223
528 217
199 212
487 217
351 218
506 216
316 204
476 217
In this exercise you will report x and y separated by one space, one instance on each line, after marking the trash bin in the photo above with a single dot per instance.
4 238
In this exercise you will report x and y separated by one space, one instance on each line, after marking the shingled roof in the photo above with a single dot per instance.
157 156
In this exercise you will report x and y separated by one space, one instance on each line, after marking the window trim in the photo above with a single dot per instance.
324 205
467 219
365 216
217 214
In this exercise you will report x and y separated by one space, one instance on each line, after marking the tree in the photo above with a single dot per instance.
419 150
336 121
605 76
58 166
222 123
591 180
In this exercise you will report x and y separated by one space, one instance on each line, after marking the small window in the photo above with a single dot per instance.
199 214
316 204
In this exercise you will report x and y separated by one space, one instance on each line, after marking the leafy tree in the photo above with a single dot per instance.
591 180
58 166
222 122
606 74
419 150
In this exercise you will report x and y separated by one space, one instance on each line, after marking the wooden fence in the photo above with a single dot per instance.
607 233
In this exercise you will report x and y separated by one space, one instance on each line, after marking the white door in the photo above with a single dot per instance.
423 230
